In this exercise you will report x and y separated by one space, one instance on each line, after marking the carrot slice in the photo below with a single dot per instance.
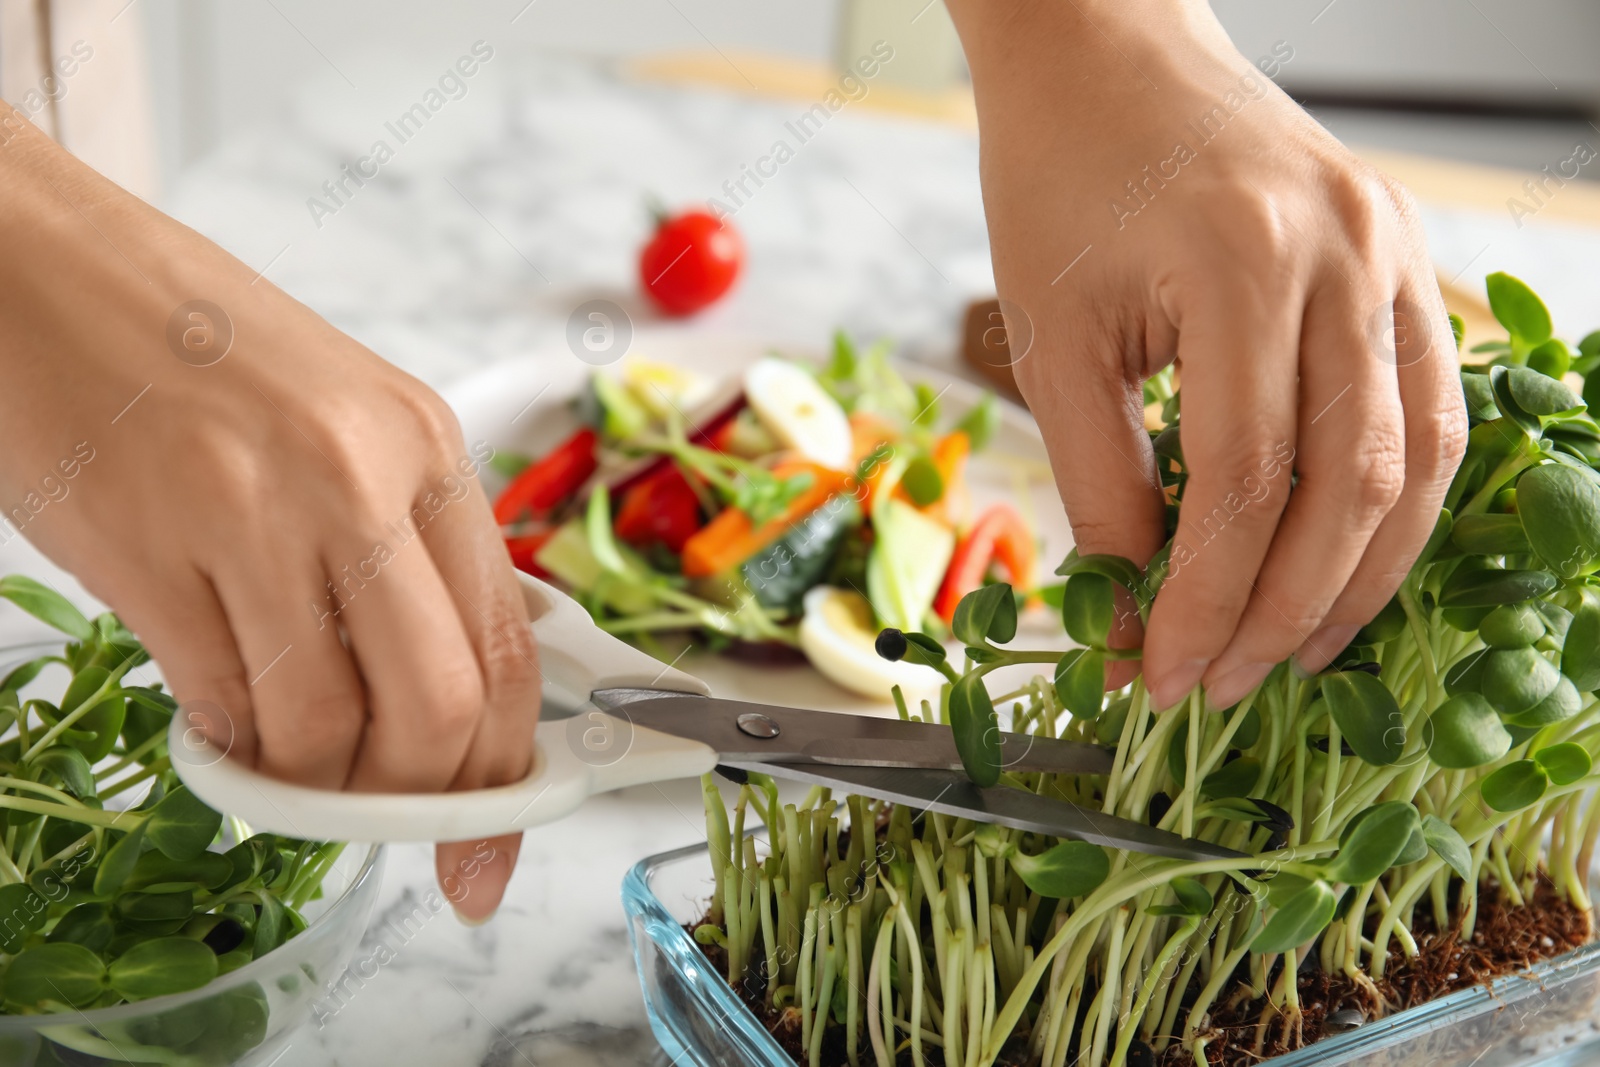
731 538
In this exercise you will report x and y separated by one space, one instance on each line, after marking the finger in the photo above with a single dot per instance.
474 874
467 549
465 545
1350 463
1435 439
1092 420
424 692
1238 433
306 695
187 632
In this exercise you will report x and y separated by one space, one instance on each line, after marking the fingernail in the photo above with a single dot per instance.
468 921
1321 647
1177 682
1231 686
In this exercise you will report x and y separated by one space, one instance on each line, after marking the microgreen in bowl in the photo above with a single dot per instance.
103 902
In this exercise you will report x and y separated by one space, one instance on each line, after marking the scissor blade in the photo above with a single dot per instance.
832 738
952 793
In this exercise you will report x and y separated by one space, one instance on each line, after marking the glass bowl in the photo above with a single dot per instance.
1547 1015
245 1016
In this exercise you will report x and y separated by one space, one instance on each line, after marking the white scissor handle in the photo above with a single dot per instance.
576 657
574 758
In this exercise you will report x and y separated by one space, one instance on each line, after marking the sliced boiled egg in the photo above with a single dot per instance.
799 412
837 634
665 389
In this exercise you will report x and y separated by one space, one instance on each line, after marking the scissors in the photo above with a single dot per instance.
633 720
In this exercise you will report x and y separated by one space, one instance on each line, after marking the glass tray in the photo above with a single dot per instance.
1547 1015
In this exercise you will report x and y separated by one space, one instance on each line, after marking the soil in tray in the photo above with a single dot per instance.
1505 940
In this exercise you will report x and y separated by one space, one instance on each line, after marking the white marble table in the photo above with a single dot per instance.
512 206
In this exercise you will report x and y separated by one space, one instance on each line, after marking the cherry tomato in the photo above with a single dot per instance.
691 261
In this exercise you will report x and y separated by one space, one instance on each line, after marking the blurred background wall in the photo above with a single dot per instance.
1506 82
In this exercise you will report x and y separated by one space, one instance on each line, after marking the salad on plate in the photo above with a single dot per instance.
794 512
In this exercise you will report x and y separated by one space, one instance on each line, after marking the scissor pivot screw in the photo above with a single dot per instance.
757 725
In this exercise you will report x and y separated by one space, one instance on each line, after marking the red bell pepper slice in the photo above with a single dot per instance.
662 508
547 482
524 547
999 536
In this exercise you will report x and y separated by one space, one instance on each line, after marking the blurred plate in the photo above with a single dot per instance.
526 406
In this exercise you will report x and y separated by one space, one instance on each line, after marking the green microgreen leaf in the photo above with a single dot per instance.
46 605
1514 786
1372 842
24 673
95 732
62 971
1520 390
272 926
161 966
181 826
1564 763
1490 535
1301 917
1466 674
209 870
1193 899
88 925
22 911
1283 886
1069 869
1580 652
988 613
1367 715
1479 394
1515 679
1236 778
1562 703
1448 843
1109 723
119 862
1511 626
1385 626
1490 588
1465 732
1518 308
1560 509
1080 682
1551 358
1087 608
69 765
1249 731
1119 569
976 729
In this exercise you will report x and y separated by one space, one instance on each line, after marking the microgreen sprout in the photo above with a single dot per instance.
1445 758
